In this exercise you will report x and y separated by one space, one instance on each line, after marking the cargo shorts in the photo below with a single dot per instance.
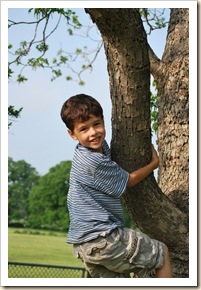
120 253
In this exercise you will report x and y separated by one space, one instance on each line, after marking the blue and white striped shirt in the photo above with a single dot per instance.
96 184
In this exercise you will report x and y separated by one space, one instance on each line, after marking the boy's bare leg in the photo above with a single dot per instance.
166 270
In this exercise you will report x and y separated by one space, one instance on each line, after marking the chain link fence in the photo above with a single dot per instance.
28 270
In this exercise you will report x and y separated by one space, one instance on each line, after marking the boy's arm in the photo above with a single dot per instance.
138 175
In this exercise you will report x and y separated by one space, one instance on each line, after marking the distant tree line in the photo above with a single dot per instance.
36 201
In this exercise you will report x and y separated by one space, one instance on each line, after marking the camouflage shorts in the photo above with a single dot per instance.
120 253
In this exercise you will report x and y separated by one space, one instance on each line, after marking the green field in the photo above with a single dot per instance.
41 247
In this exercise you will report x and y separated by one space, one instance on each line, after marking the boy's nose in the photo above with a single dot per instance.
92 131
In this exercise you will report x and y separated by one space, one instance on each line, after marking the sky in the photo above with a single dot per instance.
39 136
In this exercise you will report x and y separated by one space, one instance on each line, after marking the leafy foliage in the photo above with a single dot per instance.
42 29
154 109
38 201
13 114
21 179
153 19
47 200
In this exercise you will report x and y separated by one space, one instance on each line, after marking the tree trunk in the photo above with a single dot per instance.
126 50
172 77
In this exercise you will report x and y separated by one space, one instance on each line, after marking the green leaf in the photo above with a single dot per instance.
56 73
10 72
70 31
13 114
63 59
81 83
42 47
21 78
68 78
78 51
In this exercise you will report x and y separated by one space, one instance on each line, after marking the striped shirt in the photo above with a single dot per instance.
96 185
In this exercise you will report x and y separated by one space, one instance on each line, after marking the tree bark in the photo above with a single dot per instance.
127 55
171 75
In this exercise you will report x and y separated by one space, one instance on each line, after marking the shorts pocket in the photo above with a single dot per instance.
94 248
133 246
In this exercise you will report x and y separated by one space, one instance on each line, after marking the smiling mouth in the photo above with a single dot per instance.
95 140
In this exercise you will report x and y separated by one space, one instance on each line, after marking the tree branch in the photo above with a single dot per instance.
154 63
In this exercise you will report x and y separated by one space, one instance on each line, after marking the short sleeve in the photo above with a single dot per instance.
111 178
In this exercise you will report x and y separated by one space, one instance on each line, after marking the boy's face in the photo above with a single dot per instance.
90 133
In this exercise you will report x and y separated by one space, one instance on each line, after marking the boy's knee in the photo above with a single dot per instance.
166 250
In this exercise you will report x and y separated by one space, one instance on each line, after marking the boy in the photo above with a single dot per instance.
107 249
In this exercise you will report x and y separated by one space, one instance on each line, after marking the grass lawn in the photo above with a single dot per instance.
41 247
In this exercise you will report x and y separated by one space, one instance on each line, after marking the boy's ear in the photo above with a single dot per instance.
72 134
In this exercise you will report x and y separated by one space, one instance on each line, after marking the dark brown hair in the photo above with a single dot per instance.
80 107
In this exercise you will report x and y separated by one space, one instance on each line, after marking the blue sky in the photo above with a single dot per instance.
39 137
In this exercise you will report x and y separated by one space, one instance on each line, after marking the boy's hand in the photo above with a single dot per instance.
155 158
139 174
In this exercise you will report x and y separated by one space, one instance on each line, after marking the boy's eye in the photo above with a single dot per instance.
97 124
82 129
